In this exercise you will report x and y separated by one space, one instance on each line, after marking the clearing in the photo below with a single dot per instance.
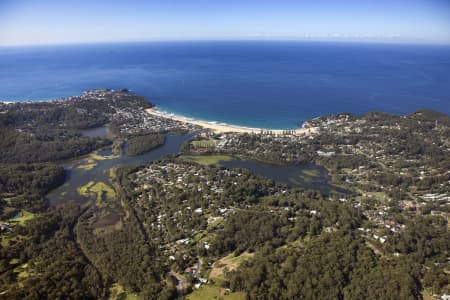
207 160
229 262
208 292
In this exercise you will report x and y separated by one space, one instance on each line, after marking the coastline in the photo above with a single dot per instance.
223 128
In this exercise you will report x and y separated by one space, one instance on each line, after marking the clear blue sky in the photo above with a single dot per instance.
87 21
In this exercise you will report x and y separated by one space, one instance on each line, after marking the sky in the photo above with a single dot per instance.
35 22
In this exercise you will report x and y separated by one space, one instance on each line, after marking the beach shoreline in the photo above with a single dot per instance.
224 128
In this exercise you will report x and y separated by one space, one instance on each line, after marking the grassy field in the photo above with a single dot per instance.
207 160
346 170
306 176
229 263
7 240
24 271
96 156
101 190
8 199
311 173
24 217
377 196
89 164
107 221
199 236
117 292
84 190
427 295
210 292
215 223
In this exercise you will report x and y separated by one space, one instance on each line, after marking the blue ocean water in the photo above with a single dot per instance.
259 84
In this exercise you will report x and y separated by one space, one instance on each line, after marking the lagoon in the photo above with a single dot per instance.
83 173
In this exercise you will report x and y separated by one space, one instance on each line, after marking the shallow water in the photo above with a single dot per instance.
77 177
307 176
95 132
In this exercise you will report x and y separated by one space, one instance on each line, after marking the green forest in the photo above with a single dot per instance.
177 229
144 143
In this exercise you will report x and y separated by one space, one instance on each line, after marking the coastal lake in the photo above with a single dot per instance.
308 176
96 132
97 170
94 168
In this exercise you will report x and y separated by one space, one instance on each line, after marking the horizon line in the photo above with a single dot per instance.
244 39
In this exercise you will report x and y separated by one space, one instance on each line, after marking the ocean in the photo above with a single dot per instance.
268 84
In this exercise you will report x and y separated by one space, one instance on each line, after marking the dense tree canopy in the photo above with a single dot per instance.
144 143
333 266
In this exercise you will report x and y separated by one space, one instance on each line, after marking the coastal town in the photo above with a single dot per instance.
392 182
130 118
198 221
184 206
123 111
225 150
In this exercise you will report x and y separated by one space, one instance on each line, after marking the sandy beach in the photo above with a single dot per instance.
222 128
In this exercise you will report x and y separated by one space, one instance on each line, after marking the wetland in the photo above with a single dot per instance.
93 170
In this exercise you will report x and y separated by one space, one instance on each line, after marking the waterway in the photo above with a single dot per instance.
81 171
77 177
96 132
308 176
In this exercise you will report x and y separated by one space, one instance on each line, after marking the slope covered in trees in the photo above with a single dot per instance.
331 266
165 227
144 143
